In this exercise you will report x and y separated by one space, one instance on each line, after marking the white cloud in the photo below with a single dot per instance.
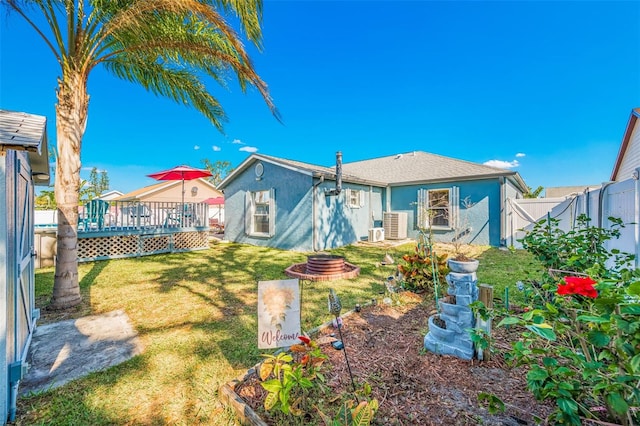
237 141
502 164
197 147
216 148
248 149
520 155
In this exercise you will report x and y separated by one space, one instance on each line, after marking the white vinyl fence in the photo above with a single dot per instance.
613 199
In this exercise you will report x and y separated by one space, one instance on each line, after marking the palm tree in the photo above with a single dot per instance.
167 46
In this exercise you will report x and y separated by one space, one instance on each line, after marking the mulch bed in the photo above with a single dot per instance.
384 345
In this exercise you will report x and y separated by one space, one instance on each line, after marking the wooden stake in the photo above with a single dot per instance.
485 295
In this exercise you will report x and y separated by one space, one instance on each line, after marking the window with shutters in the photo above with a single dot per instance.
437 208
260 213
355 198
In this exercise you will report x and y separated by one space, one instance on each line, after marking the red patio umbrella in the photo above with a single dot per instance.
181 173
215 201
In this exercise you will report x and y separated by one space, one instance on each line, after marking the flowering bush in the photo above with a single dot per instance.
581 336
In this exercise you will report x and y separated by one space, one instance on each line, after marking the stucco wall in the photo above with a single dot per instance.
293 207
483 217
338 224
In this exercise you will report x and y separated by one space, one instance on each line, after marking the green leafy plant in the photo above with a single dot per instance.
581 335
354 412
418 269
576 250
291 377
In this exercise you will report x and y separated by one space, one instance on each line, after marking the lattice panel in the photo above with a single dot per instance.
119 245
156 244
187 240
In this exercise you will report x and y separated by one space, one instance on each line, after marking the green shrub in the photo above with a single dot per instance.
581 333
418 270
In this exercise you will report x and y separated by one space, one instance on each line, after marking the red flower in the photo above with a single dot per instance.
578 285
305 339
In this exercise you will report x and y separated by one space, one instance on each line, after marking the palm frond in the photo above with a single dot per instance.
181 86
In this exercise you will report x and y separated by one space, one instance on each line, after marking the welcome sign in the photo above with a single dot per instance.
278 313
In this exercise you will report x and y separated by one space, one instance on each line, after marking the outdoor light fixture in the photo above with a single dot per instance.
194 191
40 175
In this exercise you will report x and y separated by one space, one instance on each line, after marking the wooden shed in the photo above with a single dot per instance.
23 163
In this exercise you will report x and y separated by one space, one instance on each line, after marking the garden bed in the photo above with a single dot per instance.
385 348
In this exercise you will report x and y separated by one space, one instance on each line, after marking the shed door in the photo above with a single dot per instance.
21 292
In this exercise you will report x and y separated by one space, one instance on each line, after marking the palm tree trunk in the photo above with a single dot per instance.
71 119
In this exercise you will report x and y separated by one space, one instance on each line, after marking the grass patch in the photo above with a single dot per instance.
196 315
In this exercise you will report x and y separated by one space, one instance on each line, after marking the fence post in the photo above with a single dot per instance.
636 215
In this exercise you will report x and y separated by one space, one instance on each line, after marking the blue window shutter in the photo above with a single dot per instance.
455 207
272 212
248 212
422 212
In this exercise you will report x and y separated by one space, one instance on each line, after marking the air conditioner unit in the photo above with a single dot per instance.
376 235
395 225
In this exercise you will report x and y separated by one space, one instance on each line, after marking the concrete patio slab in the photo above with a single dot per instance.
66 350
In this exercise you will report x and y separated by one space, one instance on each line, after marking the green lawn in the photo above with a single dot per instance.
196 315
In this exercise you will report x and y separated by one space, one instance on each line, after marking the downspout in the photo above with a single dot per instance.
314 214
503 216
371 218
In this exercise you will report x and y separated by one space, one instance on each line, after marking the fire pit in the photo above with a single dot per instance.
323 267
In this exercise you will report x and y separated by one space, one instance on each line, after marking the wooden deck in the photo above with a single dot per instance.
115 243
132 229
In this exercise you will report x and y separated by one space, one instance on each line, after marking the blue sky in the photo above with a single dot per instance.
543 87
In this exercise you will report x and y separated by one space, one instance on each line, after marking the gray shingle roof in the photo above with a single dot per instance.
419 166
402 169
327 172
313 168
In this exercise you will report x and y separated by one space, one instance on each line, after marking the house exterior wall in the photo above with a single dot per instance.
293 211
631 159
338 223
483 217
174 193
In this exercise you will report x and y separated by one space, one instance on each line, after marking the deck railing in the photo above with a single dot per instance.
136 215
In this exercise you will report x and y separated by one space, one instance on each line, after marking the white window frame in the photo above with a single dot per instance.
354 198
254 199
451 210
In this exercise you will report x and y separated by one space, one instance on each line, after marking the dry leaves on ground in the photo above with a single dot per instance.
384 346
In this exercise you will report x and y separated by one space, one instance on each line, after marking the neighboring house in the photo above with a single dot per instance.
568 191
110 195
628 159
195 191
288 204
24 162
